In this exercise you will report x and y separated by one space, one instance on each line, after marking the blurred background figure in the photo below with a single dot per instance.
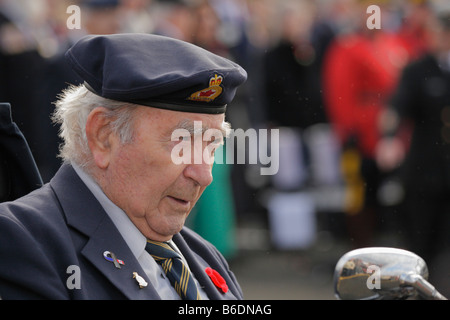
360 72
97 17
422 101
33 39
137 16
292 87
175 19
101 16
21 66
293 102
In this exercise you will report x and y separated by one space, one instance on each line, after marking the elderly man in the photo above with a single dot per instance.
110 224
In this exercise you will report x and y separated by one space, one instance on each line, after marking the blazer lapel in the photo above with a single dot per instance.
198 266
84 213
122 279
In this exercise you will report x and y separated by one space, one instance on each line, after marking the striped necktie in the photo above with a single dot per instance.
174 268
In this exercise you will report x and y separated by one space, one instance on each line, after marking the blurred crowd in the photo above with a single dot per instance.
363 114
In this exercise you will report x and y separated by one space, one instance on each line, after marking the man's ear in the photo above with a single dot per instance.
99 136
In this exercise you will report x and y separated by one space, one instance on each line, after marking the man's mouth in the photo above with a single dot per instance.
179 201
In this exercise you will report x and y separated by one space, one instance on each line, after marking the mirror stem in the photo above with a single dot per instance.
425 289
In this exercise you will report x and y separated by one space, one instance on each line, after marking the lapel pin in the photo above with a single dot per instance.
142 283
217 279
112 257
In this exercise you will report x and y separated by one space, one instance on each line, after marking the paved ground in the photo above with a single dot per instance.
282 276
268 274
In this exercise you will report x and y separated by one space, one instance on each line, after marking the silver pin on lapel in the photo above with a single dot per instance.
141 281
112 257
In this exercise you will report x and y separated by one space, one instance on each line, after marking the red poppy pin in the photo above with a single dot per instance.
217 279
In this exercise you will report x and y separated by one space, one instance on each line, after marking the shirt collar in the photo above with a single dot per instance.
135 240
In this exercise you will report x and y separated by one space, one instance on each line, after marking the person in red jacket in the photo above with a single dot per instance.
360 72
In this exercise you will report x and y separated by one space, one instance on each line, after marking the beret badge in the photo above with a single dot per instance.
212 92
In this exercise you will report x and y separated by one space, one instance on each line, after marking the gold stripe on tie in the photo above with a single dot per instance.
161 244
173 266
184 280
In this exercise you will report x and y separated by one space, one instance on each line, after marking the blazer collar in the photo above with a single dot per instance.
84 213
198 266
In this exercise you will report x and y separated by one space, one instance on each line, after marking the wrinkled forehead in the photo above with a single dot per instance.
167 121
200 127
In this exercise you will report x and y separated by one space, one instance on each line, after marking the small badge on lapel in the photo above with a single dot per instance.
112 257
217 279
141 281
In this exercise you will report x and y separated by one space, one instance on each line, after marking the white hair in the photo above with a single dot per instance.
73 107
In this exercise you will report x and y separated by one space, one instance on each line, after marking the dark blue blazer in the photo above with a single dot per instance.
44 234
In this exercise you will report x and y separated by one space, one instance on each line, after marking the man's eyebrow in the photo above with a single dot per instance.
192 129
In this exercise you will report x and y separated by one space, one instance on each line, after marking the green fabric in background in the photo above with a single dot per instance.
213 217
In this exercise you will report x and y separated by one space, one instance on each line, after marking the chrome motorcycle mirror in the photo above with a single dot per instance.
382 273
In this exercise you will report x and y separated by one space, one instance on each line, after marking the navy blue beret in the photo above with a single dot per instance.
156 71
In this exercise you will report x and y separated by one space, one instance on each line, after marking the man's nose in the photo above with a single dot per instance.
200 173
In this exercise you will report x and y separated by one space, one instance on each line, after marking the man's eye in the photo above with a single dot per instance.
184 138
216 141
